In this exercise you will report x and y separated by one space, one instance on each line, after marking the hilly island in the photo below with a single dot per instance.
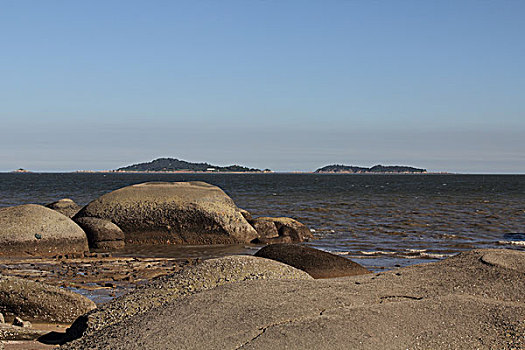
176 165
376 169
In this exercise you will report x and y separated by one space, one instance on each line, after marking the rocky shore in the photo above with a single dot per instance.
286 296
471 301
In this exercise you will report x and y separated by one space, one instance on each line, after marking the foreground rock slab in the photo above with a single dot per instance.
173 213
39 301
207 275
34 230
315 262
459 303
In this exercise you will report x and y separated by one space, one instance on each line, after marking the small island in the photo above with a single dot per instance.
376 169
176 165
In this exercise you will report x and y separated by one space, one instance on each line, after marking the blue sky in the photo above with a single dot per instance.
288 85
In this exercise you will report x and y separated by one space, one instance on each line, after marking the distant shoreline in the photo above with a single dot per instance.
262 173
233 172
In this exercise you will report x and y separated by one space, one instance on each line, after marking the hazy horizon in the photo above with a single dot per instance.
290 86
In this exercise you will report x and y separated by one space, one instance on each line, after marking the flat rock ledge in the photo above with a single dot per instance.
463 302
204 276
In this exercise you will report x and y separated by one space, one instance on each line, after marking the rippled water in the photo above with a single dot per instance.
381 220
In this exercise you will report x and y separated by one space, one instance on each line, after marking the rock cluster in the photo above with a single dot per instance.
187 213
172 213
194 213
280 230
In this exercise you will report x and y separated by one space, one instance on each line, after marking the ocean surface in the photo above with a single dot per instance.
380 221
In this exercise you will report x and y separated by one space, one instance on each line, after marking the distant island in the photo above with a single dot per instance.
176 165
376 169
20 171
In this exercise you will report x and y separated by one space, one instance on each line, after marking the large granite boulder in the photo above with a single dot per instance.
39 301
102 234
460 303
315 262
280 230
205 276
35 230
65 206
174 213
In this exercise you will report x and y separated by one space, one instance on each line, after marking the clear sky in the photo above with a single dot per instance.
286 85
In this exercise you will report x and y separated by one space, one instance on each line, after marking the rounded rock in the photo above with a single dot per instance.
101 234
35 230
315 262
173 213
65 206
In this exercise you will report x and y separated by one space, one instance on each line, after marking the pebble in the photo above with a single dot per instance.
21 323
2 319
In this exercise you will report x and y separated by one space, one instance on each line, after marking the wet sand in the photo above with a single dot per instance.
100 277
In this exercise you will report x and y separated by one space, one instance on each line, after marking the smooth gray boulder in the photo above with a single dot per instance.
315 262
101 234
459 303
204 276
39 301
173 213
280 230
35 230
65 206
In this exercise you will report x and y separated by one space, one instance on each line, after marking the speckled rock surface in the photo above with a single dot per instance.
174 213
34 230
505 258
315 262
39 301
65 206
459 303
206 275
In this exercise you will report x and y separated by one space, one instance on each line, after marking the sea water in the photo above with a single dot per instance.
380 221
